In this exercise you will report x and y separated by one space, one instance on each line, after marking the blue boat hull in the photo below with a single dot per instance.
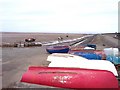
89 56
57 51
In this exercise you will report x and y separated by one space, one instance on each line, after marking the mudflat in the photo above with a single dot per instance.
8 37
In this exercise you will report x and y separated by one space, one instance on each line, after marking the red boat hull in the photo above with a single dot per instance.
70 77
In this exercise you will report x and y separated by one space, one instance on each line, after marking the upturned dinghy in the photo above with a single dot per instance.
74 78
88 64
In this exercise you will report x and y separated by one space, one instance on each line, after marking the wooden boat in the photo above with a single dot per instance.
64 56
84 47
88 64
89 48
72 78
77 48
57 49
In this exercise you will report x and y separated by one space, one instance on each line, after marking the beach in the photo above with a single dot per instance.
15 61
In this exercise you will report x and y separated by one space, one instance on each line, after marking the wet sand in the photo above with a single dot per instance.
41 37
15 61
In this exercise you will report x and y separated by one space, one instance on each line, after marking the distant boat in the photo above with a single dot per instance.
89 48
30 39
72 78
92 45
57 49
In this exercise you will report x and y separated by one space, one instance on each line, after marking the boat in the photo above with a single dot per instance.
88 55
84 47
89 48
111 51
64 56
92 45
30 39
112 55
70 78
57 49
87 64
77 48
98 52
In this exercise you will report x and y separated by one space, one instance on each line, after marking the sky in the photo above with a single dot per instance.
59 16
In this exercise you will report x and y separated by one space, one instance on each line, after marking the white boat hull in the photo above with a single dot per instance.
81 63
61 56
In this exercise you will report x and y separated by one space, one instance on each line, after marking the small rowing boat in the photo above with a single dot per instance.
57 49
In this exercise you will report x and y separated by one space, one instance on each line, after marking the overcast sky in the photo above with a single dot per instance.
64 16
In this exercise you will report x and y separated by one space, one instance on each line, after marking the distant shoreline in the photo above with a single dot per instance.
49 33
